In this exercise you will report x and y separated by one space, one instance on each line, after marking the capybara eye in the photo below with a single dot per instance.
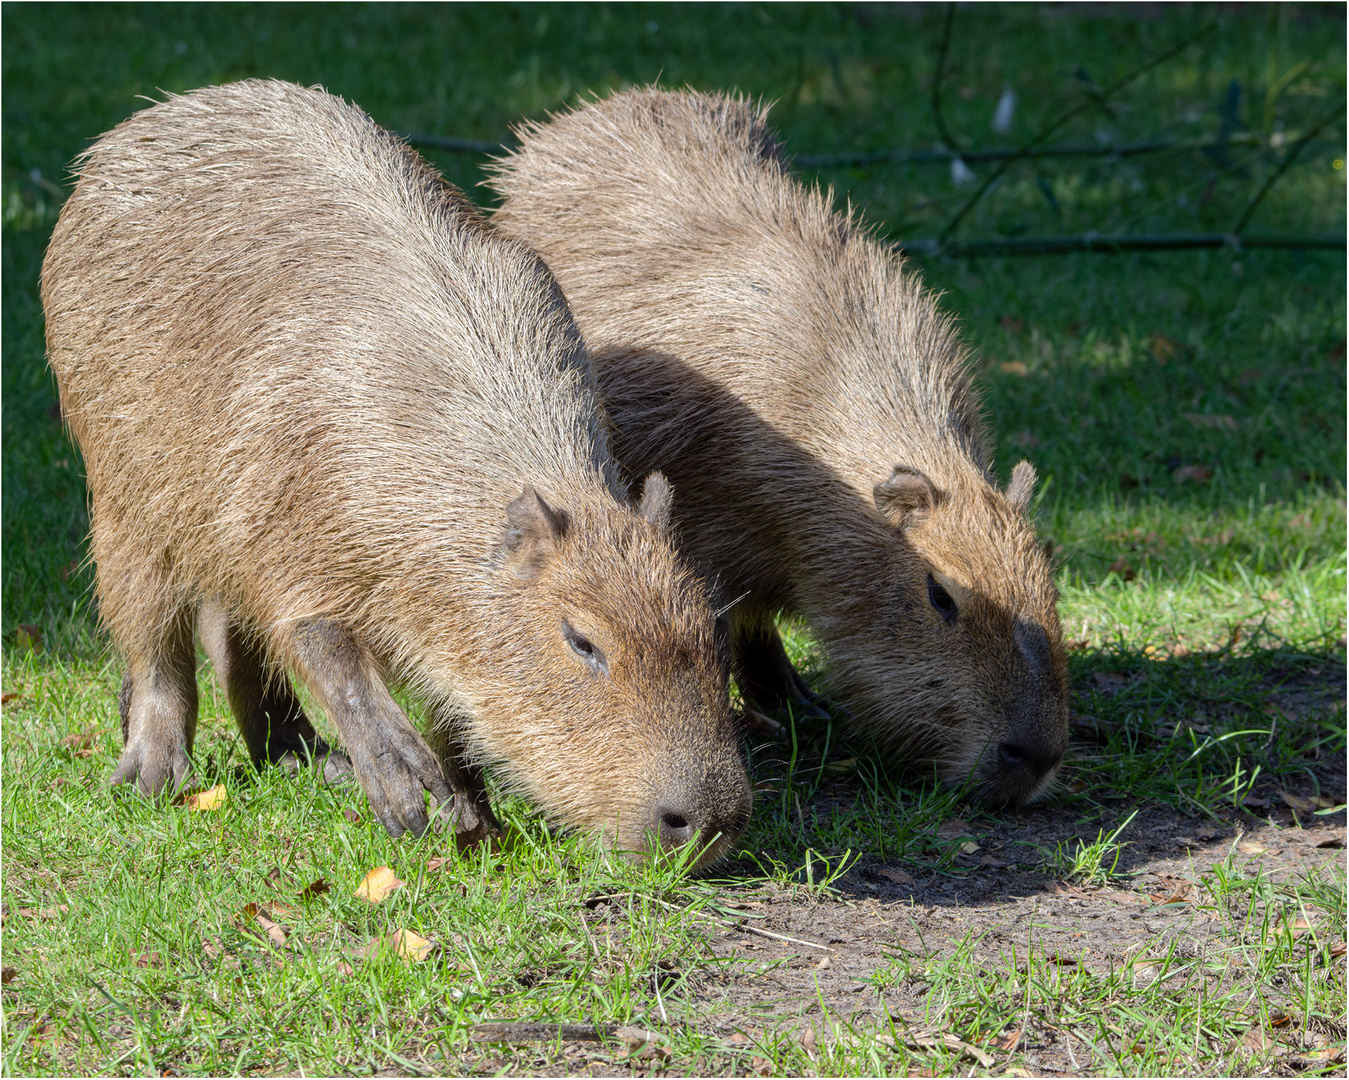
941 600
583 647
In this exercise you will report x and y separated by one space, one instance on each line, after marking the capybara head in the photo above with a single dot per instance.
606 622
953 652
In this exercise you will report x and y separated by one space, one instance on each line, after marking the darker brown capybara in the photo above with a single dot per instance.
814 412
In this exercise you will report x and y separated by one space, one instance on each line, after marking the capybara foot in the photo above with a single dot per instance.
332 766
471 818
154 769
395 777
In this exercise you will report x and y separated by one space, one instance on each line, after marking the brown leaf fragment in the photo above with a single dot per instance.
317 887
212 948
1008 1041
344 969
80 740
1124 570
641 1043
411 946
1338 949
1015 367
761 1066
146 959
899 877
376 886
275 934
954 827
1253 1039
1280 1019
276 878
1164 347
432 865
351 815
1297 802
5 699
1194 474
27 637
1250 847
924 1041
210 799
7 975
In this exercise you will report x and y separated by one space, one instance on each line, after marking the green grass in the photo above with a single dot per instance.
1185 412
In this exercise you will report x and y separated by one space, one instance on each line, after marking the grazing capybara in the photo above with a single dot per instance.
321 401
813 410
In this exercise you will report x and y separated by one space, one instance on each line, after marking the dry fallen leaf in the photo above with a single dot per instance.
315 888
80 741
7 975
376 886
210 799
146 959
899 877
28 637
411 946
954 827
1250 847
351 816
5 699
1015 367
1254 1039
275 934
1297 802
969 847
344 969
432 865
1009 1040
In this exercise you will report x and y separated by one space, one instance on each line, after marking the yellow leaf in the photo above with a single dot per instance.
1015 367
211 799
1250 847
411 946
378 884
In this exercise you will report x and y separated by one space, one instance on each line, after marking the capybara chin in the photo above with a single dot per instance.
813 410
326 408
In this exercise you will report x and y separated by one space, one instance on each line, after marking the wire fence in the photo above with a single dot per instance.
958 158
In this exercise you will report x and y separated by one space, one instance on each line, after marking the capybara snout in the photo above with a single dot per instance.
334 417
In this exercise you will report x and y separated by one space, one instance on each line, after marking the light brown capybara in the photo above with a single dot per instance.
322 402
813 410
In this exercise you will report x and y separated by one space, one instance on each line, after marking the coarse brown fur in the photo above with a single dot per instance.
325 405
814 412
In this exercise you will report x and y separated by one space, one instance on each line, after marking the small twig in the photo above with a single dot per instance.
1114 88
535 1031
900 156
777 937
1288 160
1110 245
937 75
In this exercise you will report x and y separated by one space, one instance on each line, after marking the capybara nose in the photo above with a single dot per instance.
1015 756
674 827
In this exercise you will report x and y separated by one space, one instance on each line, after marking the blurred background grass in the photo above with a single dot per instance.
1185 410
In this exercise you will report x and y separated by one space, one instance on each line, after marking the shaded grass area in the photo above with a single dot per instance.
1185 412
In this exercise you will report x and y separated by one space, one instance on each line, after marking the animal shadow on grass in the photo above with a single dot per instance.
1172 762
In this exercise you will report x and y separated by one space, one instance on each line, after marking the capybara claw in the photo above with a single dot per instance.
153 773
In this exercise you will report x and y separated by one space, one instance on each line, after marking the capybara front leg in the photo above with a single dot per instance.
765 673
158 705
473 818
270 716
392 762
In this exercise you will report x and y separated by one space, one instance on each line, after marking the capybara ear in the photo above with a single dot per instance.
533 529
906 498
657 496
1021 487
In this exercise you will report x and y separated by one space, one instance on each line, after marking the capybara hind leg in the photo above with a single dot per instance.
765 674
158 703
472 814
392 762
270 716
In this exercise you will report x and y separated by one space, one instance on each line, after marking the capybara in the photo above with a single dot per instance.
323 402
813 411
